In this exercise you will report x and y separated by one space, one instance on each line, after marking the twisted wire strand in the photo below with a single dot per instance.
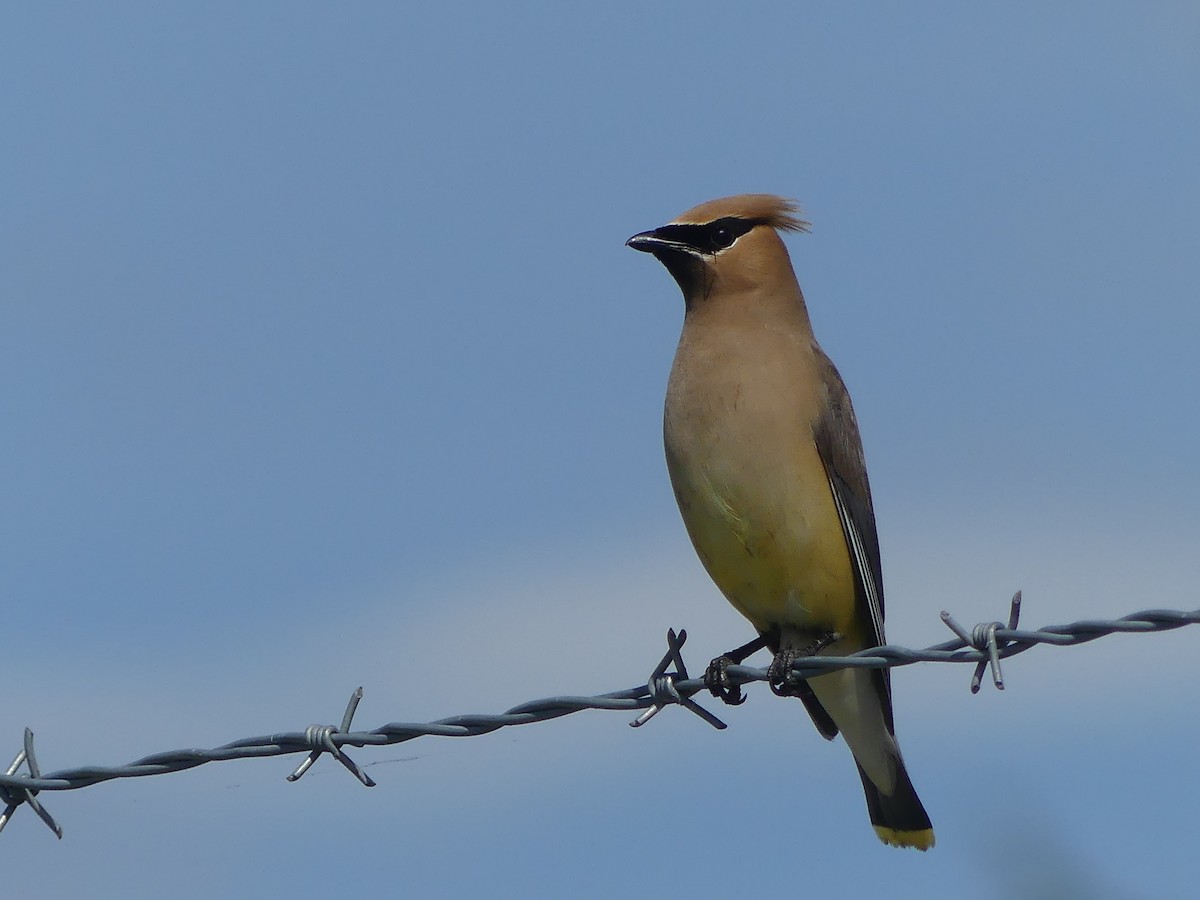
985 644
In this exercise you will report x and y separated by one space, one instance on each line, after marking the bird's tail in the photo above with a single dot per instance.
899 818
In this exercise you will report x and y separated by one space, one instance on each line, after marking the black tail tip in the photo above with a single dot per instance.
899 818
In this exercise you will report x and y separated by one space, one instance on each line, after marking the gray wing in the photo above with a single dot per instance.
840 448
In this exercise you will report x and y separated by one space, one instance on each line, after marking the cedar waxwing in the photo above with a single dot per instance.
767 465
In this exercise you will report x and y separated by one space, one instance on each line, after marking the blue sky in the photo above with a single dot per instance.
323 363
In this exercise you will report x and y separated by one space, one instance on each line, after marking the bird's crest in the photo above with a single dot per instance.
778 212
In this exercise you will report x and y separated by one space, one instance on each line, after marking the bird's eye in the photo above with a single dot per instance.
722 236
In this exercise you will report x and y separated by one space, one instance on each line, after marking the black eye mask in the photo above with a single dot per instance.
710 238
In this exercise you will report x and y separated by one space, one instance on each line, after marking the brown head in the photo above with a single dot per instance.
727 245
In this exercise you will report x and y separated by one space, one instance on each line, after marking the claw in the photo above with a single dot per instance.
716 679
780 676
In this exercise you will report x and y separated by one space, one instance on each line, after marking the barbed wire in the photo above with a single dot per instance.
669 684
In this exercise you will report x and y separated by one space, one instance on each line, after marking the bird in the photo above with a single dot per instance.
767 467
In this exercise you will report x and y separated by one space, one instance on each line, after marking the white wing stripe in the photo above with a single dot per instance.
859 557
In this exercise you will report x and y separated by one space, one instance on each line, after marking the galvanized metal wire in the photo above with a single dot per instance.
985 645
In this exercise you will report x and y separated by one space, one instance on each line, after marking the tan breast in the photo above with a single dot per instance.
748 479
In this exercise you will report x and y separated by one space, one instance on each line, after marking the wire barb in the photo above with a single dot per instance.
983 638
664 690
13 796
320 738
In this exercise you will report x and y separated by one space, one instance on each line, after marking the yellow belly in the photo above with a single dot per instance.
768 533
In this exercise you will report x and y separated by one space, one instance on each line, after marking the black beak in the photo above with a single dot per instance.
655 242
647 242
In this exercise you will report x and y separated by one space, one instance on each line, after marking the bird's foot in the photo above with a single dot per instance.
716 676
716 679
783 680
782 677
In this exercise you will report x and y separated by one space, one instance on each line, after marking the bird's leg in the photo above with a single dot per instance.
828 639
781 678
716 677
